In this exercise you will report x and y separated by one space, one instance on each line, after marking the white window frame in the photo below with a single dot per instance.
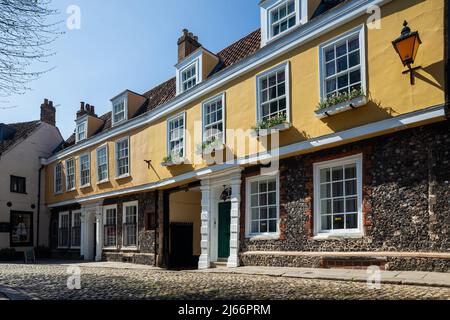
319 233
268 6
72 225
88 184
118 100
194 59
283 66
361 32
61 214
82 124
55 184
74 174
124 211
105 147
105 209
248 209
220 96
125 175
181 114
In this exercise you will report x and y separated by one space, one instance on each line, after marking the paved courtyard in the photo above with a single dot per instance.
49 281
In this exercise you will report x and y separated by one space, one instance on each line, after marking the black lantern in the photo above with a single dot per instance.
407 46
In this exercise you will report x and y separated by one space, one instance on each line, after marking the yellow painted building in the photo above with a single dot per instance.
303 54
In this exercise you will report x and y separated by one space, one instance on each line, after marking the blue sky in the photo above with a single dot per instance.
125 45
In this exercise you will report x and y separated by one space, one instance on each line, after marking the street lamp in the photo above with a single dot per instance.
407 46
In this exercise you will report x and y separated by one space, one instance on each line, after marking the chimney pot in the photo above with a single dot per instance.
82 106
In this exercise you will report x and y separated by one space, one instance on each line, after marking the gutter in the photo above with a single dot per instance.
319 26
447 56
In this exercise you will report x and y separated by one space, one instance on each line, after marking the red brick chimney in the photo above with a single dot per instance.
48 112
187 44
86 109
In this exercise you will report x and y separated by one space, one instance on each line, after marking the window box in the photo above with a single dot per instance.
268 131
172 161
210 146
342 107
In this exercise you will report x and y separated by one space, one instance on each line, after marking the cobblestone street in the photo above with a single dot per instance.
50 282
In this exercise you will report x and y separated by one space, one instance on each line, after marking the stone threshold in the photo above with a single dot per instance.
13 295
415 278
381 254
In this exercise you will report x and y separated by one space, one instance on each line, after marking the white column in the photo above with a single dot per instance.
205 259
83 232
233 259
99 233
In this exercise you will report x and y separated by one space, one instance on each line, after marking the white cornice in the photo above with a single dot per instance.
402 122
315 28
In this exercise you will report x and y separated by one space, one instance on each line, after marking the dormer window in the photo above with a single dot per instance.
280 16
119 112
189 77
81 131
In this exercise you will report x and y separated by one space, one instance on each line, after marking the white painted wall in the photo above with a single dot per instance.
24 160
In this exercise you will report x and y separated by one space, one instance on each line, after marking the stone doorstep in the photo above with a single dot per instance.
429 279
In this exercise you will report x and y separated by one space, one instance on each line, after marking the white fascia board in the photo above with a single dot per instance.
308 32
398 123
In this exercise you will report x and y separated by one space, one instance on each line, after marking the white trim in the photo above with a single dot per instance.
71 226
79 123
126 175
124 210
80 172
104 146
377 128
193 59
105 209
286 66
318 232
64 213
222 96
361 32
121 98
181 114
56 192
315 28
301 17
74 173
248 182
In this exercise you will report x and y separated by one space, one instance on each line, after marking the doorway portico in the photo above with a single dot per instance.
91 232
220 205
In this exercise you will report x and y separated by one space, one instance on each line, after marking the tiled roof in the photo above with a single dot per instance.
229 56
23 130
166 91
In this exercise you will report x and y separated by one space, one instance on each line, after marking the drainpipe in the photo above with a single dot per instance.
156 227
38 204
447 56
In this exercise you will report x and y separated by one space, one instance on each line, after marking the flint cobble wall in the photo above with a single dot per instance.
406 200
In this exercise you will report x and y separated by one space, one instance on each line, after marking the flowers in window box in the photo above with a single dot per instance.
278 122
339 98
210 145
173 159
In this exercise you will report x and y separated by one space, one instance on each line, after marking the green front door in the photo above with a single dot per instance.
224 229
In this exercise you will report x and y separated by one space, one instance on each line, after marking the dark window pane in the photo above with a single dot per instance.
351 204
263 226
272 213
342 64
281 76
326 223
338 222
338 174
272 93
331 85
353 44
263 213
330 69
329 54
355 76
350 188
338 206
291 22
354 59
282 104
272 226
338 189
352 222
341 50
281 89
350 171
343 81
325 207
325 191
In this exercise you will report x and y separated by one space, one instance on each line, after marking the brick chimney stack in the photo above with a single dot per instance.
86 109
48 112
187 44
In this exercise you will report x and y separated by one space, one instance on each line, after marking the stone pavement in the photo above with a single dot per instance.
118 281
418 278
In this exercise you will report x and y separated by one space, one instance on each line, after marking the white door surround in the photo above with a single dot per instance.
91 214
212 188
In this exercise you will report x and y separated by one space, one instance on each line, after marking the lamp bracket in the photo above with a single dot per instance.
411 71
